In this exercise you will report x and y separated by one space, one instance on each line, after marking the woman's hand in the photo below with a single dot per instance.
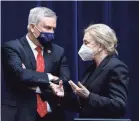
79 90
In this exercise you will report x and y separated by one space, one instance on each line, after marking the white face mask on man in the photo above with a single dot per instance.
86 53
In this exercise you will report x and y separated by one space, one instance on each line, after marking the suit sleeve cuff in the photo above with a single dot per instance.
92 99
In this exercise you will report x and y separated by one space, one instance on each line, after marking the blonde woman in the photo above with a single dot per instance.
103 90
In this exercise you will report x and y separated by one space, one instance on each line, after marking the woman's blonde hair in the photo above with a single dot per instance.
103 35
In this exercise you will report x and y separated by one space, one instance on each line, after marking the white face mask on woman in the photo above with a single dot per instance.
86 53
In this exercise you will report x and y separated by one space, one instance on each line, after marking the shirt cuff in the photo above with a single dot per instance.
38 90
50 77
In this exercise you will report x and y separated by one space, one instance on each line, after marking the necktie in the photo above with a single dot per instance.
41 106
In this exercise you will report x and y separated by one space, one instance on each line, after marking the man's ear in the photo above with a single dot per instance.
32 26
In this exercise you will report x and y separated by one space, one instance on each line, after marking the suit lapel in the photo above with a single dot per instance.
47 54
97 71
87 73
48 57
85 78
29 52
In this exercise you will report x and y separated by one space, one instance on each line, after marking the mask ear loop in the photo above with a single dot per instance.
37 29
100 49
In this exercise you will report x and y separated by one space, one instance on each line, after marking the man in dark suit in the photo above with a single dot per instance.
103 90
29 65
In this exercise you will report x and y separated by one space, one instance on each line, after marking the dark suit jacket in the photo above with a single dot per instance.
108 86
18 101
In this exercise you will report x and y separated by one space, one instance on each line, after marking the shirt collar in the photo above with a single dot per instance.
32 45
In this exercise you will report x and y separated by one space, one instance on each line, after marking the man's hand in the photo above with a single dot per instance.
79 90
57 89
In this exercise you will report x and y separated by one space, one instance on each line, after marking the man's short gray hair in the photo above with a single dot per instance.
103 35
38 12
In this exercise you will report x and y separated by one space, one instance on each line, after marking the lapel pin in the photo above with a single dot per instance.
49 51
